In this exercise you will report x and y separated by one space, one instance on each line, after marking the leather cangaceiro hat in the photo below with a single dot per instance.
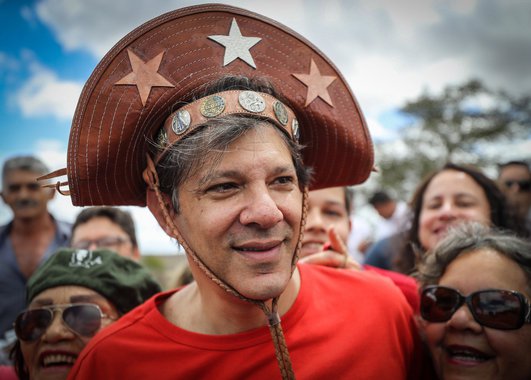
136 86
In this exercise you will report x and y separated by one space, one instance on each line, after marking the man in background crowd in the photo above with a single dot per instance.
394 215
28 239
514 179
106 227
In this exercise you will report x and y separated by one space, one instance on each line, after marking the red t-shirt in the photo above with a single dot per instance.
406 284
343 325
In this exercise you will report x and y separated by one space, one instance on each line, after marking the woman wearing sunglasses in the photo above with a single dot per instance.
475 308
70 298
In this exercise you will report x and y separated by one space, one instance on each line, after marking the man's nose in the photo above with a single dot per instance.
261 209
314 220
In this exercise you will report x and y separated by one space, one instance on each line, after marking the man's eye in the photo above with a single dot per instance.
285 180
222 187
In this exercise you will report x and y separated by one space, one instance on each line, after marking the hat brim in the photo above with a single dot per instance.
113 122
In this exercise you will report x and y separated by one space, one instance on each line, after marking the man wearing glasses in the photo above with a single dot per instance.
28 239
514 179
106 227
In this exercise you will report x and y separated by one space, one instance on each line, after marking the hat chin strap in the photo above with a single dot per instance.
159 205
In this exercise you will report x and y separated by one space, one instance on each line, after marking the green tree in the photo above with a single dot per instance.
453 126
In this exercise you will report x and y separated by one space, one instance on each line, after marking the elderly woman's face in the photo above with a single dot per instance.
451 197
53 354
462 348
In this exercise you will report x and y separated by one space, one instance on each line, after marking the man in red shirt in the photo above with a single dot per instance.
210 106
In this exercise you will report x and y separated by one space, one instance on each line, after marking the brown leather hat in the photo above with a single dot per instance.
136 85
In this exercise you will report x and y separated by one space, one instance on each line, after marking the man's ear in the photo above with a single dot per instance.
162 210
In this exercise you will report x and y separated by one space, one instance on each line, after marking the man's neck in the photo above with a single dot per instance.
32 226
222 313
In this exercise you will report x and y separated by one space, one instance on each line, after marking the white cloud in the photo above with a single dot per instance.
44 94
51 152
388 51
378 131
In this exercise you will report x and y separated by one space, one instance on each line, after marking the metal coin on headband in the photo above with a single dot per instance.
162 138
181 121
212 106
280 112
251 101
295 129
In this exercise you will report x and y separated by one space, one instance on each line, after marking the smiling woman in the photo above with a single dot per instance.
71 297
448 196
475 308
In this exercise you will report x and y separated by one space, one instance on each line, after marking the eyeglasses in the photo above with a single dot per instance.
106 242
82 319
495 308
523 185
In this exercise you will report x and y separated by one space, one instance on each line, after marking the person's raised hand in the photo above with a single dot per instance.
334 254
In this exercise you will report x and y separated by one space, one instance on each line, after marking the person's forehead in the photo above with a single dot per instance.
66 293
20 175
96 228
452 181
329 194
264 138
515 171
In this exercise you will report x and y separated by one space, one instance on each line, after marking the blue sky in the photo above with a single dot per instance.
389 52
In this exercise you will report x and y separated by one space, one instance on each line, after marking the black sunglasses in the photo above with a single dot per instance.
83 319
494 308
523 185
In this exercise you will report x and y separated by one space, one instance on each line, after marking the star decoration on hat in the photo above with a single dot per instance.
317 84
236 45
144 75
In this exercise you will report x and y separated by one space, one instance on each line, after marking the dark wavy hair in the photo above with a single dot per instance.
501 215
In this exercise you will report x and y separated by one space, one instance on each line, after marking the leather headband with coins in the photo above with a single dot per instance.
257 104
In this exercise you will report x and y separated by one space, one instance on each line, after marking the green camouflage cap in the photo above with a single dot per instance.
124 282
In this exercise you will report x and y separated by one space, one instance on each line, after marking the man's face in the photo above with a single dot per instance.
26 198
385 209
515 182
101 232
241 214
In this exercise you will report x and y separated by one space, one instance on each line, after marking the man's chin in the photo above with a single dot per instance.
265 287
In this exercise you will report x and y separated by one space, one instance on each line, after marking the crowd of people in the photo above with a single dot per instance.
231 148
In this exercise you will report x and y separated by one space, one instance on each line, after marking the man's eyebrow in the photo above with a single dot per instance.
215 174
43 302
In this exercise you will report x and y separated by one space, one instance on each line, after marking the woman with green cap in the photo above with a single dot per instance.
70 298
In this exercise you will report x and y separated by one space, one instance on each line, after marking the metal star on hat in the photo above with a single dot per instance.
144 75
317 84
236 45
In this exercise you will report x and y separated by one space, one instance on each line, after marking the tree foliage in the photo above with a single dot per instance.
452 126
